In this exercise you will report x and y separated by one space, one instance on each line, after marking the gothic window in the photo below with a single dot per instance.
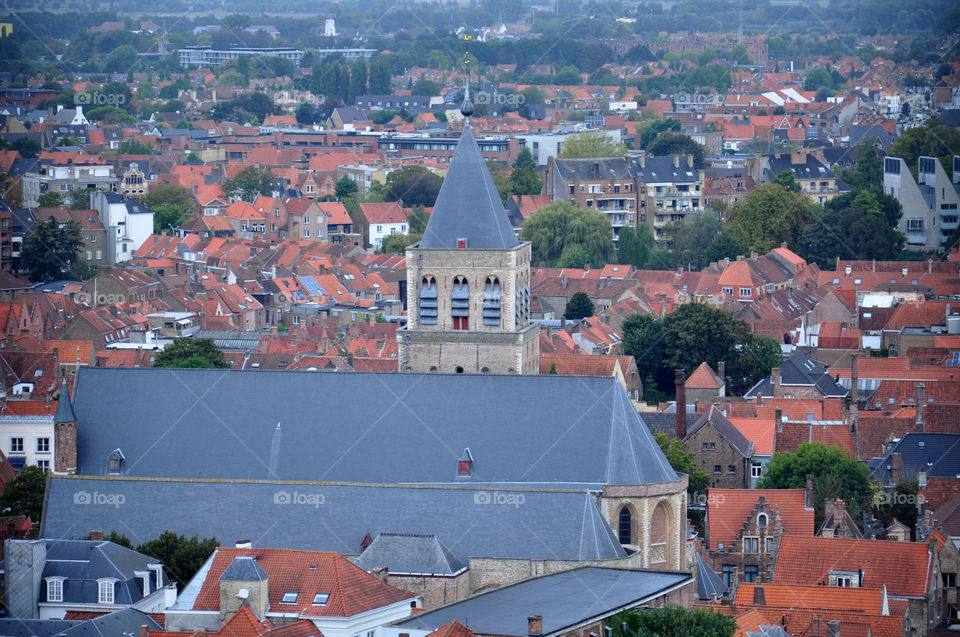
428 301
491 301
460 304
114 461
625 526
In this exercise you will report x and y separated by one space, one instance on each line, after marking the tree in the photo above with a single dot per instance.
134 147
50 199
768 217
523 179
696 332
306 114
414 186
643 339
578 307
690 237
398 243
249 183
835 475
722 247
670 621
590 144
553 369
176 197
345 187
683 461
49 251
427 88
121 59
678 145
181 557
933 139
191 352
417 220
562 223
165 216
635 245
358 79
24 494
379 80
818 78
786 179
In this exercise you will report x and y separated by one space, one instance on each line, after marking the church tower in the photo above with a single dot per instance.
468 280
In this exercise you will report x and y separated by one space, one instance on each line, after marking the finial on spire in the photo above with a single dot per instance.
466 108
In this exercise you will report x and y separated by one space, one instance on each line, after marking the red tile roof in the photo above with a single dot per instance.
352 590
727 510
813 597
704 377
807 561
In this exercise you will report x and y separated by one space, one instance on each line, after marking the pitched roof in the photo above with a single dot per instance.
727 511
807 561
410 554
468 206
703 377
716 418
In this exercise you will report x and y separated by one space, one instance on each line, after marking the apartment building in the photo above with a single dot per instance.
930 202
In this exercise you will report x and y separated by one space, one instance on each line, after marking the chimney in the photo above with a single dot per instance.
680 378
563 280
243 544
96 536
144 631
775 379
381 573
833 628
534 625
847 271
65 434
854 397
808 496
721 371
896 468
921 406
759 596
676 161
778 417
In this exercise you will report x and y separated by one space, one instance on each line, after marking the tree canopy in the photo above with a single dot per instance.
24 494
414 186
50 251
590 144
768 217
670 621
578 307
181 557
561 224
191 352
249 183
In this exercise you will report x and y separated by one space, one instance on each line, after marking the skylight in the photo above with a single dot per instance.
320 599
290 597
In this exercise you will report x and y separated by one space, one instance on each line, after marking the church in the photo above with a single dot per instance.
468 307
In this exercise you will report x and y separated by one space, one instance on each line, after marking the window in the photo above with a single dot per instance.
771 545
491 302
751 545
756 469
114 461
731 468
762 521
54 589
750 573
709 446
460 304
306 219
16 445
728 575
624 525
428 301
915 224
43 445
379 228
289 597
105 590
745 292
89 255
306 234
99 255
320 599
717 468
43 465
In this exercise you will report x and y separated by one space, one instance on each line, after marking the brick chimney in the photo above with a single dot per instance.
535 625
921 406
778 418
759 596
854 415
896 468
809 494
381 573
775 379
680 379
96 535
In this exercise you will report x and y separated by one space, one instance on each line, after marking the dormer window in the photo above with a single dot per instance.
491 302
115 461
428 301
105 589
55 589
460 304
465 464
461 243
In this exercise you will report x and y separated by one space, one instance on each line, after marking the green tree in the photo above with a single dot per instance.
690 237
121 60
414 186
786 179
523 178
345 187
578 307
110 114
181 557
634 246
417 220
561 223
358 79
134 147
933 139
177 197
24 494
678 145
722 247
835 475
118 538
249 183
671 621
769 216
818 78
683 461
427 88
379 81
553 369
191 352
165 216
50 200
49 251
898 504
590 144
643 339
398 243
306 114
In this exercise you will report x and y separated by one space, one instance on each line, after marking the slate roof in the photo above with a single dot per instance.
709 583
468 206
801 370
410 554
604 168
122 622
564 600
64 407
936 454
244 568
472 521
553 430
716 418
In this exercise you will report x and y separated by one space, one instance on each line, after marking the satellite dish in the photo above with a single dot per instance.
243 593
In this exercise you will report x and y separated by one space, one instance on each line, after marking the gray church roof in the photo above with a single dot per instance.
375 428
410 554
472 522
709 583
64 407
468 206
244 568
564 600
122 622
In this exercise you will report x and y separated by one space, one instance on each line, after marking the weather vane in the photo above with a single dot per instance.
466 108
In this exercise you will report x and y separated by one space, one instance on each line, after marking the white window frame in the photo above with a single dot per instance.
106 591
55 589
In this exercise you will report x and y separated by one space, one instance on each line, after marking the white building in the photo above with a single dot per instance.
128 224
930 202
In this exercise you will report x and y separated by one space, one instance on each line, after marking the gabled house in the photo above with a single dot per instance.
381 220
799 377
278 585
720 450
46 579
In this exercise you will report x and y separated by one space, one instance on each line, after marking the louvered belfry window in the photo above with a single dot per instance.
460 304
428 301
491 302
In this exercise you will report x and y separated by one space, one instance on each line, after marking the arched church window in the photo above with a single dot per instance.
460 304
491 301
625 526
428 301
